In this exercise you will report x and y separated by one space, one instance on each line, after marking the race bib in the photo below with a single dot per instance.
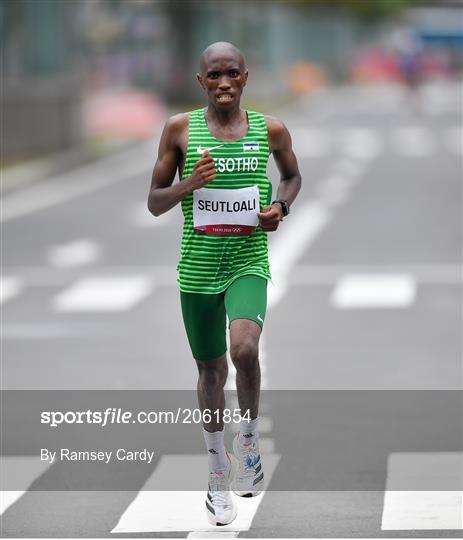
226 212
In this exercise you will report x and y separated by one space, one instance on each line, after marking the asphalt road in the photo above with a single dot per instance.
361 353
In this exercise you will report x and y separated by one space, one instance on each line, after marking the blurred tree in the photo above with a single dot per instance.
37 36
183 16
365 9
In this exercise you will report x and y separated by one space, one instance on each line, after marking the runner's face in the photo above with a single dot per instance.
223 79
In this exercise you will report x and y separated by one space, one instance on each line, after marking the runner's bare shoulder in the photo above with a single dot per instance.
276 131
176 130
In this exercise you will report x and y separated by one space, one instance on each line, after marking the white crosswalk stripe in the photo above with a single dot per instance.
311 142
168 511
361 143
413 141
18 473
9 288
103 293
440 506
310 275
365 291
76 253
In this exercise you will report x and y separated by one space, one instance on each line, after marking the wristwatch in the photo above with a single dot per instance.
284 206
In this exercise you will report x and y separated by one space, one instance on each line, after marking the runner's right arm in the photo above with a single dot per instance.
163 194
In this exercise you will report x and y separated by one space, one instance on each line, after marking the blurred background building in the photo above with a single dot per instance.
75 71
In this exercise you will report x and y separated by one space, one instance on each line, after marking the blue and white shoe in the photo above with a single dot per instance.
249 479
221 508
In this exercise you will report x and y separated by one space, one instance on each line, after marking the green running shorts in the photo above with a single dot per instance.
204 315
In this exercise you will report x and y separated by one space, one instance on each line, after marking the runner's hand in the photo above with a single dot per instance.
270 217
203 172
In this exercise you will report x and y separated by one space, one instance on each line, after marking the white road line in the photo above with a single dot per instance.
412 141
78 182
337 181
314 274
265 424
103 293
168 511
301 274
76 253
333 196
310 142
438 505
334 190
358 291
140 216
18 473
422 510
349 168
290 244
46 276
10 287
266 445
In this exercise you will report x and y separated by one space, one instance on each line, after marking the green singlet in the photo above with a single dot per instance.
209 264
224 273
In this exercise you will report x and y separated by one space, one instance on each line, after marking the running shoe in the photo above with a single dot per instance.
249 479
220 507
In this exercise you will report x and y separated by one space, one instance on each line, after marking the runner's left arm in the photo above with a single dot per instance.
163 194
280 145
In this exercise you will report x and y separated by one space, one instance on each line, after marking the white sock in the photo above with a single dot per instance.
217 456
248 431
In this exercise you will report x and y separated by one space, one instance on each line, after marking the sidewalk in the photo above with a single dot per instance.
114 120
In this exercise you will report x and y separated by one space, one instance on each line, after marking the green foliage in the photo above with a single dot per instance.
365 9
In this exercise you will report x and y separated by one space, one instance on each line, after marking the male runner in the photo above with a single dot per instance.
221 153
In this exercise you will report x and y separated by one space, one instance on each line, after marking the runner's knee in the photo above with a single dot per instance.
245 354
